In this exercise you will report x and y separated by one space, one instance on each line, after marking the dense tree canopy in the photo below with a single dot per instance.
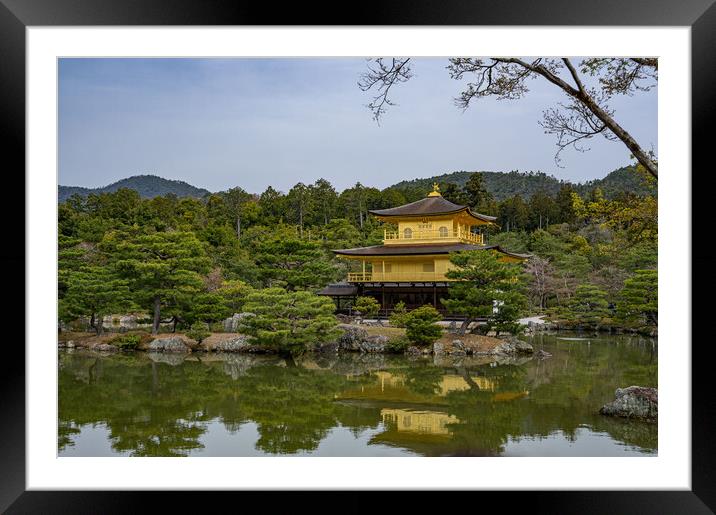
165 267
201 257
485 287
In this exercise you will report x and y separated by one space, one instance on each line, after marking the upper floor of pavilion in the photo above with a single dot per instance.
433 219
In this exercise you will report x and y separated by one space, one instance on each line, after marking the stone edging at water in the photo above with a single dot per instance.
354 338
553 326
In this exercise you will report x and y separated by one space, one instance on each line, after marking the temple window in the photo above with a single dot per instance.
443 232
428 267
407 233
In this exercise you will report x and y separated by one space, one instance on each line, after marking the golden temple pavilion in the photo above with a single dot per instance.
411 263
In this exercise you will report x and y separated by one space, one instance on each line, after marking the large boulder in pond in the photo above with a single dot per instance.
633 402
352 337
171 344
373 344
238 344
105 347
512 345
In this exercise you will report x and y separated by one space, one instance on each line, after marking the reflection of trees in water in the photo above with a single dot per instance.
65 431
153 408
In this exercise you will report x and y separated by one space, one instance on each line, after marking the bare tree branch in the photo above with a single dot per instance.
575 76
384 77
505 78
647 61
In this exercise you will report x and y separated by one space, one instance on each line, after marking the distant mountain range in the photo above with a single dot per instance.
148 186
501 184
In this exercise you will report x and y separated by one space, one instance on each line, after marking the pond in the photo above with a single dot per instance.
206 404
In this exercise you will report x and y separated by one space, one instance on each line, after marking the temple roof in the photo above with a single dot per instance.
416 250
431 205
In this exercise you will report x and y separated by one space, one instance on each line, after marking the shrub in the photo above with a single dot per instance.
127 341
398 345
216 327
367 306
199 331
399 315
420 325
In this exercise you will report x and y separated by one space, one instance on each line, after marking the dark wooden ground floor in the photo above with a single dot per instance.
388 295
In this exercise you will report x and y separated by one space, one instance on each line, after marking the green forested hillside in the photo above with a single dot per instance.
148 186
503 185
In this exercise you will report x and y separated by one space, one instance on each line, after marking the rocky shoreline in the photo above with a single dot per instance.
355 338
555 326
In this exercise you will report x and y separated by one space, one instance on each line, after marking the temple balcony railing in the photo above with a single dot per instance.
396 277
432 236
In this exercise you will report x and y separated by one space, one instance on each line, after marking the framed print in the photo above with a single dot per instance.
417 252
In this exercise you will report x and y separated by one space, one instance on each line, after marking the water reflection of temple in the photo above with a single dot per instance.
425 422
392 386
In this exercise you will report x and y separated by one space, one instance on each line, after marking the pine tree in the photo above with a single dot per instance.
288 322
233 295
476 192
325 197
94 291
163 268
420 325
513 214
452 192
565 204
483 282
398 316
294 263
589 305
639 299
301 204
366 306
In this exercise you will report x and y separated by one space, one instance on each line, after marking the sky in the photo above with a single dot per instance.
222 123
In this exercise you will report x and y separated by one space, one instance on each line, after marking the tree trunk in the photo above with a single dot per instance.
92 324
464 326
238 226
289 359
623 135
300 218
582 95
157 312
99 325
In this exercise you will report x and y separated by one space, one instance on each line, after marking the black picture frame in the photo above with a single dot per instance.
16 15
